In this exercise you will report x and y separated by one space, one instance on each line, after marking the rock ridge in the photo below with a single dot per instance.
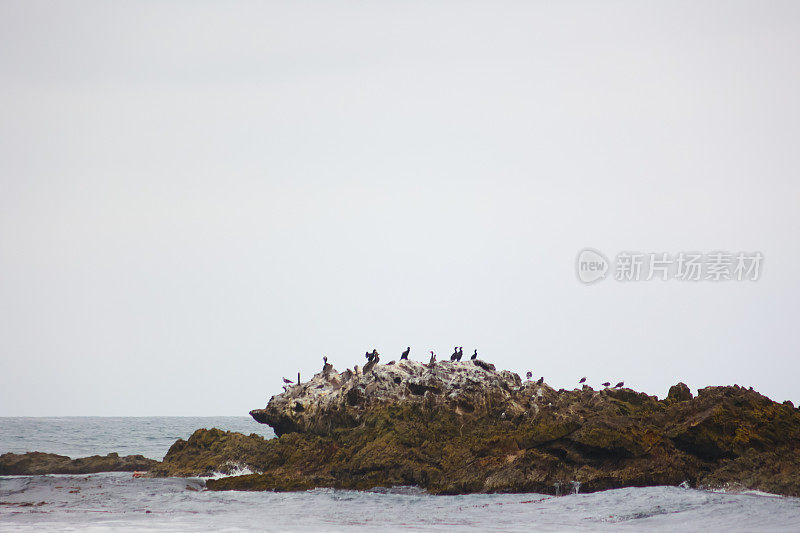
461 427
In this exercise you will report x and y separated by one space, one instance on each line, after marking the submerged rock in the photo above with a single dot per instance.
38 463
460 427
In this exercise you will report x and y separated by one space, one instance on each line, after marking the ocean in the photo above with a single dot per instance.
117 501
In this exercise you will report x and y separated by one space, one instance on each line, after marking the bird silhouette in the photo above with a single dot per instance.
529 375
606 384
583 380
620 384
287 380
455 354
374 361
404 355
474 355
540 380
433 358
460 353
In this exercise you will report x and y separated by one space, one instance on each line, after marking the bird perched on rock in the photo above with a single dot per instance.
371 364
455 354
404 355
287 380
606 384
474 355
371 355
583 380
540 380
326 367
528 375
620 384
460 353
433 359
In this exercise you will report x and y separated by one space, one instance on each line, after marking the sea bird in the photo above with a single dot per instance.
455 354
288 381
369 366
540 380
583 380
475 355
529 375
606 384
460 353
404 355
433 358
620 384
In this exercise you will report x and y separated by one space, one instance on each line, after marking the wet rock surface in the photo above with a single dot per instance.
461 427
212 451
38 463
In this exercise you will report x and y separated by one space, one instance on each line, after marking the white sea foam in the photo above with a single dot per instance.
233 469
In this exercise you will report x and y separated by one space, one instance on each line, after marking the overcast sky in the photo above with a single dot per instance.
198 198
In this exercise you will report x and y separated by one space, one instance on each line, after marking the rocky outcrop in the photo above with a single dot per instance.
460 427
332 400
213 451
38 463
679 392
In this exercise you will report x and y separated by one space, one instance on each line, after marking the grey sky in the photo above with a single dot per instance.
197 198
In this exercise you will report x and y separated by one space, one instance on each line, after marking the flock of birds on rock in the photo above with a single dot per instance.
373 358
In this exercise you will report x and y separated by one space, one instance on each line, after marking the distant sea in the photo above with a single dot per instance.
117 501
